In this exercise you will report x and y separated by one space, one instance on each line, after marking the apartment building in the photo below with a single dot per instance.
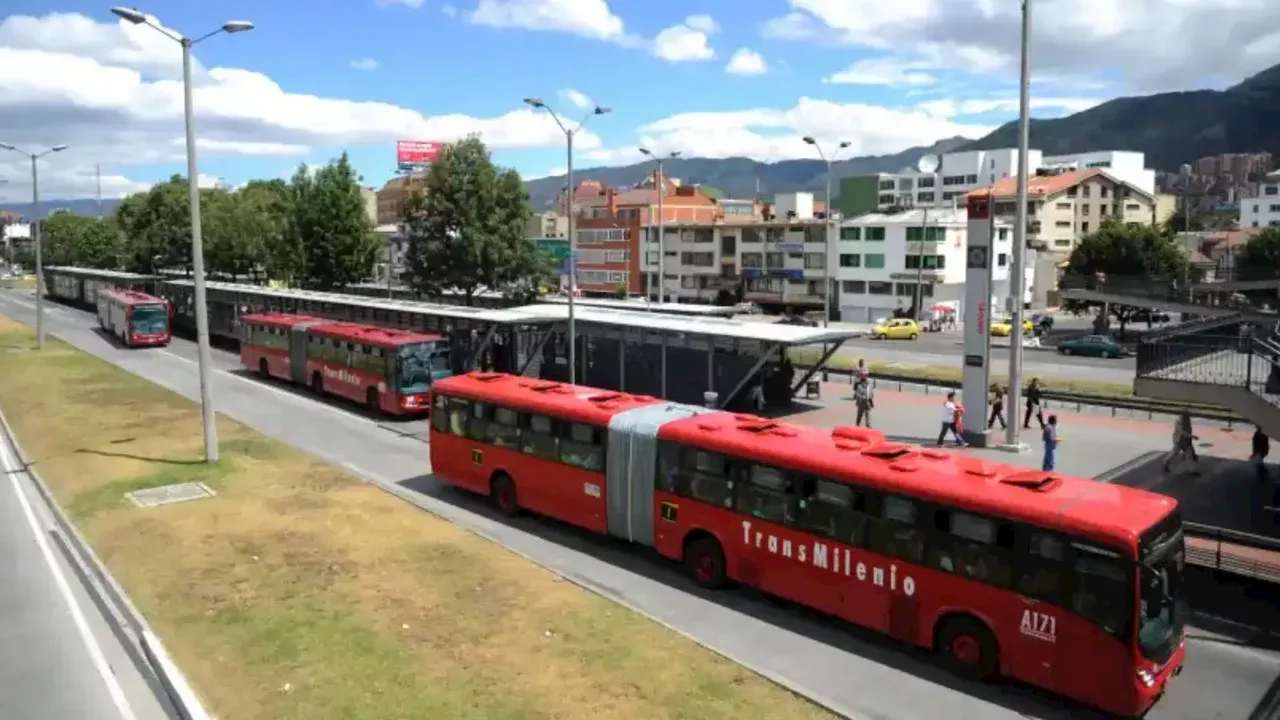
390 199
548 224
960 173
1262 210
881 260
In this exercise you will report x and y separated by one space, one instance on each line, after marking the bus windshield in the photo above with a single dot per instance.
1162 611
150 319
417 364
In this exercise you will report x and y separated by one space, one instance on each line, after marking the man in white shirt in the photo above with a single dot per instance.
950 414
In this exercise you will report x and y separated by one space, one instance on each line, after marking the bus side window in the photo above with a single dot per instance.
1041 575
504 428
440 412
697 474
765 493
459 416
478 421
833 510
538 437
1102 593
582 446
896 532
972 546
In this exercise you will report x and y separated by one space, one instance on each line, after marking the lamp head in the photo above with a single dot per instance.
675 153
603 110
57 148
534 102
7 146
237 26
643 151
844 144
809 139
132 15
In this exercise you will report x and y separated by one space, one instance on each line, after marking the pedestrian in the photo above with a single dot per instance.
864 399
1261 448
1034 401
1184 442
950 421
997 406
1050 437
863 373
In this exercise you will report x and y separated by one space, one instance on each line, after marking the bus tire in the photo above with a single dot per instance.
502 490
704 559
263 368
317 383
967 647
371 400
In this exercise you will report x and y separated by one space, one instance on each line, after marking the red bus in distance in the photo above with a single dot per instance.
135 318
389 371
1071 585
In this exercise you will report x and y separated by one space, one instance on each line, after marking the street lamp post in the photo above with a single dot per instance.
1019 274
136 17
826 260
569 134
661 187
35 232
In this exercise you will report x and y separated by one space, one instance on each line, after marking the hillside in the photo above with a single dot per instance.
736 177
1171 128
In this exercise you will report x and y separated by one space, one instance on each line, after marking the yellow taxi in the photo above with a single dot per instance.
1004 328
896 329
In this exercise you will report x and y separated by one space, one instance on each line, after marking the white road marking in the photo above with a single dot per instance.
64 587
278 391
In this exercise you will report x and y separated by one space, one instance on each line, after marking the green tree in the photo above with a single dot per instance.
268 217
330 228
231 245
1259 259
70 239
157 225
1123 250
467 228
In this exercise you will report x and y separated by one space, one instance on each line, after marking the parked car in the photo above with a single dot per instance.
797 320
1103 346
1146 315
1004 328
896 329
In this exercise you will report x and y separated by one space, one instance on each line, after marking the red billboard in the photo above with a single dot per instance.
416 154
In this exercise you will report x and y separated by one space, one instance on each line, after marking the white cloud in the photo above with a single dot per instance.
770 134
111 93
690 40
746 62
364 64
1201 41
415 4
576 98
883 71
449 10
587 18
948 108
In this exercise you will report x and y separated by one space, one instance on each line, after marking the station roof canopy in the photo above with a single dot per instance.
90 272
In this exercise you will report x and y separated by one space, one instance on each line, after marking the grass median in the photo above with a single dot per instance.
926 373
301 592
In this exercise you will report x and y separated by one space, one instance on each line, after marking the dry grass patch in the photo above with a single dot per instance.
300 592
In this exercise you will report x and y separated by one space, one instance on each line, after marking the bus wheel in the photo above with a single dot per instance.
967 647
503 492
704 559
371 399
317 383
263 369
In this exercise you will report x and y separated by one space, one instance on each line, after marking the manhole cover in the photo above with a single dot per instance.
170 494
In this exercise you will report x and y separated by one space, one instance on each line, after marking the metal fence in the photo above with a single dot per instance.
1233 552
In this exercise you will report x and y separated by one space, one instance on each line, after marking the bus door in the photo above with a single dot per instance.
298 339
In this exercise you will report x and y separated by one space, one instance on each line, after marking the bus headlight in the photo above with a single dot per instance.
1146 677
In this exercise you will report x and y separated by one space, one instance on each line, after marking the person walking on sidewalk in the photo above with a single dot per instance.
864 399
1184 442
1034 399
1261 448
1050 437
950 419
997 406
862 373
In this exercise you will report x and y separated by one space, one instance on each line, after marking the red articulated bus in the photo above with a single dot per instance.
1067 584
389 371
135 318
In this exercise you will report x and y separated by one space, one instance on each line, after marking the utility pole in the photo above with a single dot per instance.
35 232
660 186
1020 234
926 165
829 239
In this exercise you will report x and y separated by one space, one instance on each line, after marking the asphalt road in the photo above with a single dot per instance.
1231 672
59 656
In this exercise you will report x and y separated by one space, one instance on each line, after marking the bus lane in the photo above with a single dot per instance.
859 674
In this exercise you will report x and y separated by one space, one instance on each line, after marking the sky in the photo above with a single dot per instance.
706 78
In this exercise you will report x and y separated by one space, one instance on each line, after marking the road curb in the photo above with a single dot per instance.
182 701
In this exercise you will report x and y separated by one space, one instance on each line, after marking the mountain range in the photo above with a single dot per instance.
1170 128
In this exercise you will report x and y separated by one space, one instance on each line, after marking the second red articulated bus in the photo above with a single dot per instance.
1071 585
135 318
389 371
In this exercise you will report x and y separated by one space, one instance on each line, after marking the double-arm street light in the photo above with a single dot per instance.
661 187
35 231
569 133
136 17
830 223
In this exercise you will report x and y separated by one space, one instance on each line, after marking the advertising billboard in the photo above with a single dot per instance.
412 155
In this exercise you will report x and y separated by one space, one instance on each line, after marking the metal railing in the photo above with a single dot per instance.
1243 360
1233 552
1166 289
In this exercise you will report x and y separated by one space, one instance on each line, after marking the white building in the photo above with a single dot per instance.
1263 210
878 262
963 172
793 206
